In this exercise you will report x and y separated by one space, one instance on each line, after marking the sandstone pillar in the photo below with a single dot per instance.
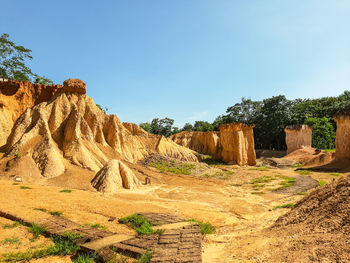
237 142
342 141
297 137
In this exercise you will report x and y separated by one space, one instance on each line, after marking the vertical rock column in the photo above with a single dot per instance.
342 141
297 137
237 142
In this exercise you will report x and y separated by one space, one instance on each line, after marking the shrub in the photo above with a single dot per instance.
323 134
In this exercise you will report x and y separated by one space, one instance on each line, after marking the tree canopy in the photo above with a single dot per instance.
13 59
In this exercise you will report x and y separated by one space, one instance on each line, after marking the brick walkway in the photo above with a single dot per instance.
174 245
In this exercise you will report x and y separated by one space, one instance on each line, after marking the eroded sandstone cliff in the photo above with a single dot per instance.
71 128
342 141
297 137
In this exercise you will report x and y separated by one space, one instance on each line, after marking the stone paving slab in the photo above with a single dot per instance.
104 242
162 218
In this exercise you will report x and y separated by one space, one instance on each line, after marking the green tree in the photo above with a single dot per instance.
162 126
202 126
146 126
323 134
187 127
13 60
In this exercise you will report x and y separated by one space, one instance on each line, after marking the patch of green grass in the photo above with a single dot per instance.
85 258
25 187
206 227
62 247
289 205
286 181
173 167
140 224
66 191
72 236
297 165
302 193
329 150
322 183
94 225
13 225
56 213
40 209
303 172
36 230
145 257
15 184
336 174
264 179
257 193
223 175
260 168
12 241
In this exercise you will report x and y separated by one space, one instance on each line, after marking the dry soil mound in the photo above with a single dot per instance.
325 210
310 157
113 176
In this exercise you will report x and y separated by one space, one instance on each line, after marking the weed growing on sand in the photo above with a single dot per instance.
56 213
62 247
264 179
260 168
140 224
94 225
25 187
15 184
289 205
236 185
145 257
12 241
297 165
85 258
257 193
321 183
72 236
206 227
173 167
40 209
66 191
336 174
302 193
303 172
329 150
16 154
36 230
286 181
223 175
13 225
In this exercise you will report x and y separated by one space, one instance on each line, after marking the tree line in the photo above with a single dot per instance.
270 117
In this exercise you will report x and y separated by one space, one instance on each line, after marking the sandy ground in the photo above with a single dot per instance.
241 211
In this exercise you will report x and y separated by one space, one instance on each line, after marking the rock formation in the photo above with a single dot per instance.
297 137
233 144
342 141
16 97
74 85
201 142
71 128
237 142
115 175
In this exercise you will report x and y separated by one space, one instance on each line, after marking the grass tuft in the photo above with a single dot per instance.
206 227
321 183
25 187
56 213
336 174
66 191
145 257
289 205
94 225
12 241
36 230
302 193
140 224
264 179
303 172
13 225
85 258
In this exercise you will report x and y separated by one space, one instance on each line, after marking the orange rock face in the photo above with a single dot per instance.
342 141
237 142
16 97
298 137
233 144
201 142
74 86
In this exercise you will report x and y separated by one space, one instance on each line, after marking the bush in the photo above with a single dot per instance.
323 134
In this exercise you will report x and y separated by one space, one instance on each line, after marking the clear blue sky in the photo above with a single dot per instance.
186 59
